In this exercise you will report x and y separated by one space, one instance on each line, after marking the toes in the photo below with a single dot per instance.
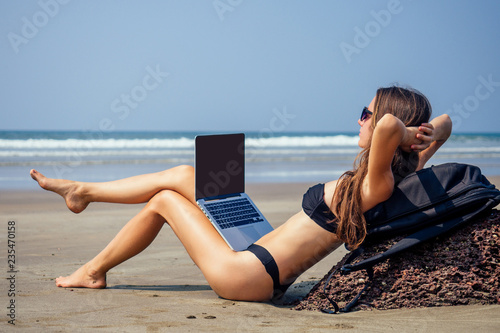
39 178
34 174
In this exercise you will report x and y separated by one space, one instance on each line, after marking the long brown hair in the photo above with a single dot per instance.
413 109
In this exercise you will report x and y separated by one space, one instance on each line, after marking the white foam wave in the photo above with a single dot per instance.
302 141
287 174
96 144
177 143
250 153
105 153
469 150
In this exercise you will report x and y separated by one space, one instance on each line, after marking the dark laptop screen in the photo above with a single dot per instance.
219 165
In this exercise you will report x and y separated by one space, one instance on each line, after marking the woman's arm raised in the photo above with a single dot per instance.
378 184
442 130
389 134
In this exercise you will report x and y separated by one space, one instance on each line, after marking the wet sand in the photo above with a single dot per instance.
161 290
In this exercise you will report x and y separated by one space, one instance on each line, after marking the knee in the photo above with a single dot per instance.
182 173
179 179
161 200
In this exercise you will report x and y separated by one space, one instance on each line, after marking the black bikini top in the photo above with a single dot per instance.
313 204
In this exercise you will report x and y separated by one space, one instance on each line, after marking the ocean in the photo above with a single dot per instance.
270 158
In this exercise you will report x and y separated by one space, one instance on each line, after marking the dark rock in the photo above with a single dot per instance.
456 269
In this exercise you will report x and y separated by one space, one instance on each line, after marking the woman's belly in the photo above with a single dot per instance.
298 244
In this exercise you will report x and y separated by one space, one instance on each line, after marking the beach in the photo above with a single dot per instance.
96 92
161 290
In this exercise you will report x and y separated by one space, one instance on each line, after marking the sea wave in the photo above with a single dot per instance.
82 153
96 144
469 149
251 151
174 143
163 152
252 141
288 148
303 141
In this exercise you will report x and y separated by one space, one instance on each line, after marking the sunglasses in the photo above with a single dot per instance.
365 114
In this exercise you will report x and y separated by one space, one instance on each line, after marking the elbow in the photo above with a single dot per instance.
391 123
447 123
388 120
446 128
390 126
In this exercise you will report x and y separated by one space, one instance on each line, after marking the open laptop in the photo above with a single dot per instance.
220 189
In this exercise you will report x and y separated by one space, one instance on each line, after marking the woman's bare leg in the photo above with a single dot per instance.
131 190
232 275
132 239
235 275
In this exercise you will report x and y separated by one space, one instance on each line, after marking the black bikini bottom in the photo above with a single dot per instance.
271 267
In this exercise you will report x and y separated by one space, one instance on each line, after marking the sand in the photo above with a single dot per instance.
161 290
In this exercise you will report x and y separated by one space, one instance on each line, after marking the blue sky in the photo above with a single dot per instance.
242 65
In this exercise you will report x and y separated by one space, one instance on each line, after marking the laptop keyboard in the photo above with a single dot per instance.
233 213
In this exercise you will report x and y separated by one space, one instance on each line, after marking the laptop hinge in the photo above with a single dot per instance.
225 196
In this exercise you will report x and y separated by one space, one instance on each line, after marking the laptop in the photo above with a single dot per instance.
220 190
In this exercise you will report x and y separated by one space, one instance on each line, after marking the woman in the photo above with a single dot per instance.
394 127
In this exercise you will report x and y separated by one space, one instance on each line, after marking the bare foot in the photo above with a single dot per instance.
84 277
69 190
